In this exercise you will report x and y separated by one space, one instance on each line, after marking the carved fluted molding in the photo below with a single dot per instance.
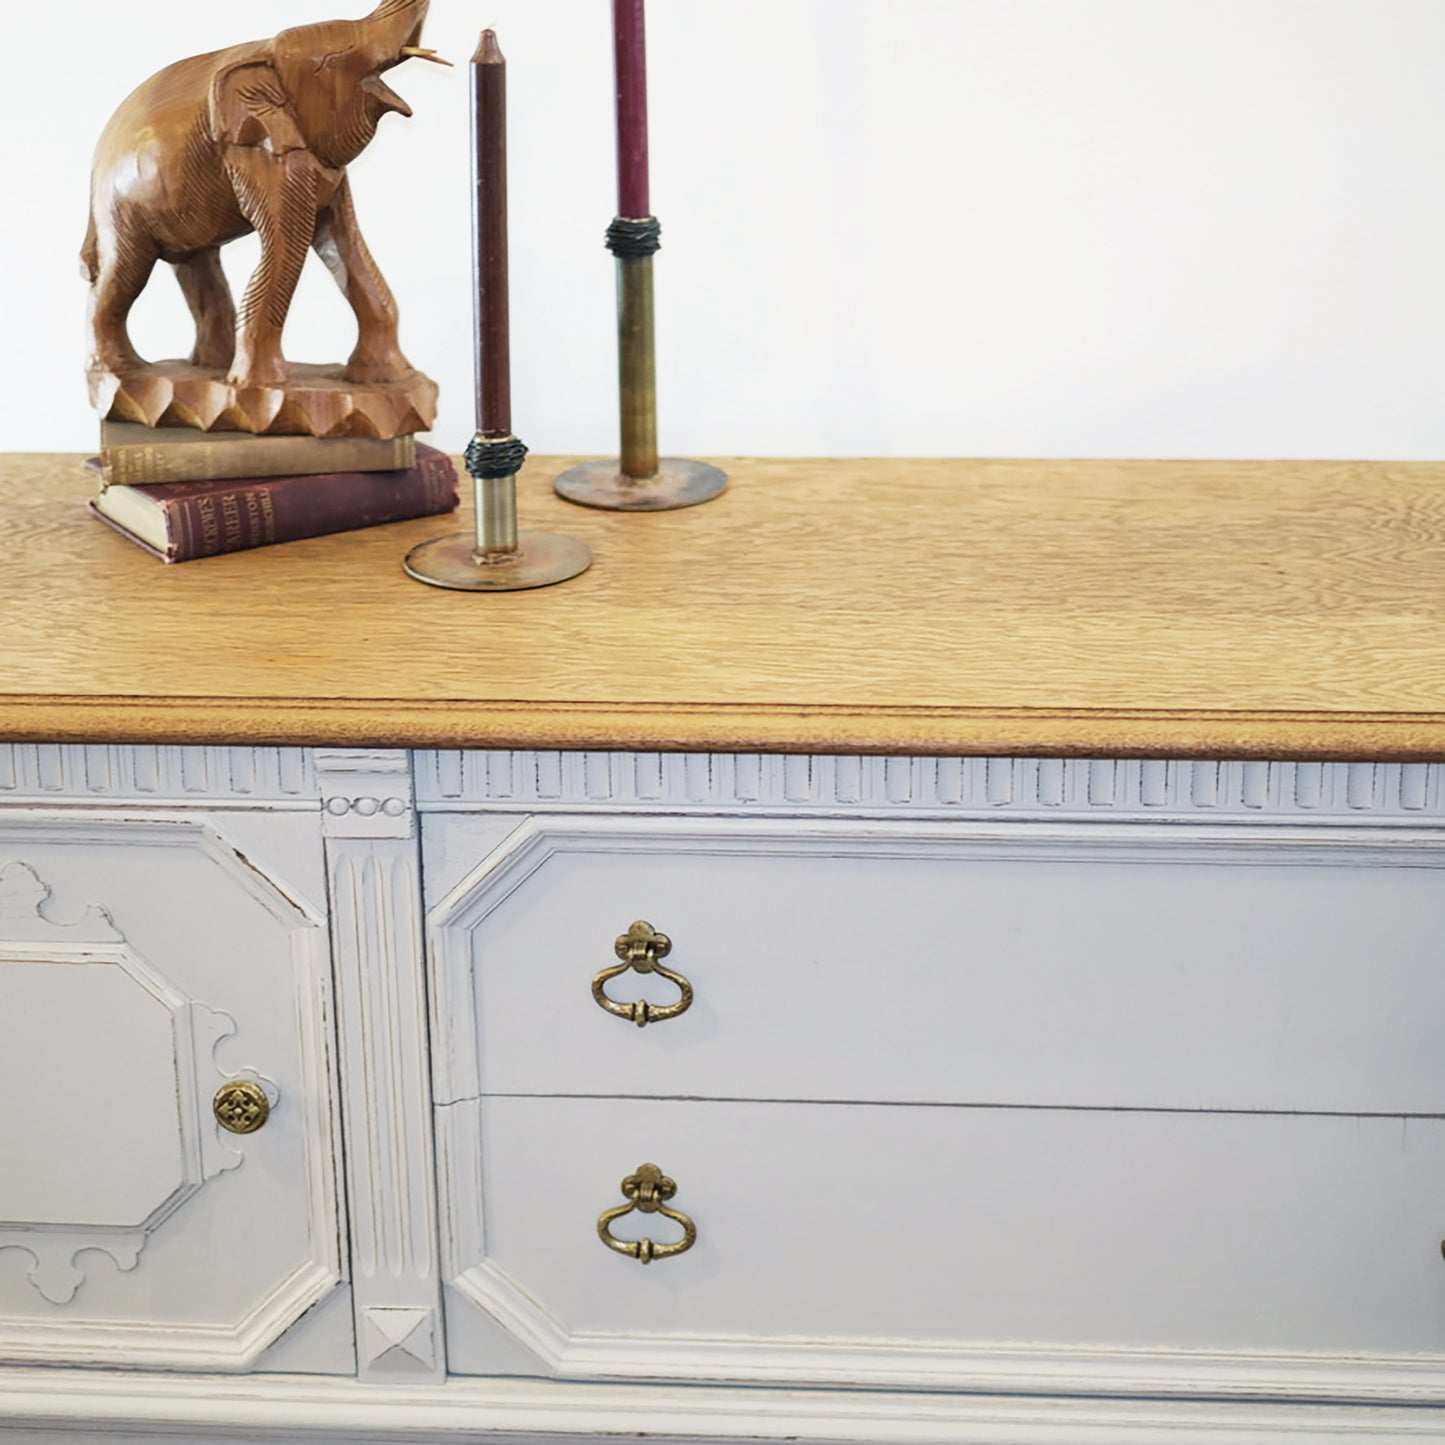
372 858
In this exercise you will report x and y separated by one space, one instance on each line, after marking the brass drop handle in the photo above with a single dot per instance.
241 1106
647 1192
640 948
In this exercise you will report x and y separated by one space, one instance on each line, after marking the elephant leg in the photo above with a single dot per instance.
339 243
277 195
123 266
204 285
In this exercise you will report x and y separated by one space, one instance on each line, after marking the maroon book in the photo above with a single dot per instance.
181 521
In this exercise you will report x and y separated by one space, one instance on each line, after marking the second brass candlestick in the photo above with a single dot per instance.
639 480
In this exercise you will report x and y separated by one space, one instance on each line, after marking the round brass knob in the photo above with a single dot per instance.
241 1106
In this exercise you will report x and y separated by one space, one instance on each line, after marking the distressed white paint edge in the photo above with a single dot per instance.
291 1408
259 880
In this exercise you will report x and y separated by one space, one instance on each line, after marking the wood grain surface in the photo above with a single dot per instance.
1247 609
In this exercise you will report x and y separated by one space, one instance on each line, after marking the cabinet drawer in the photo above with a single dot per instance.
959 1247
1094 966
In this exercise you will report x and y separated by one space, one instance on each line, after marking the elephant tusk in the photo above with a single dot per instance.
420 53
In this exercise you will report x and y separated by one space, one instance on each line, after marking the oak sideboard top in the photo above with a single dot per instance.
1266 609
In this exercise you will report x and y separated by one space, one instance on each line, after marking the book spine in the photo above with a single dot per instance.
289 509
197 458
228 522
440 486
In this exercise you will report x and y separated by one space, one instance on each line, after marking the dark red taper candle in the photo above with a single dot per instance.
629 35
489 239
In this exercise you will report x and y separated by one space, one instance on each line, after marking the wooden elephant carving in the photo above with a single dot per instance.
256 137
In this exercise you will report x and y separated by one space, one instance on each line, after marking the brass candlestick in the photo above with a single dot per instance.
498 558
639 480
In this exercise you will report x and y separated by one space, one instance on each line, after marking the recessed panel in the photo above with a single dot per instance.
92 1131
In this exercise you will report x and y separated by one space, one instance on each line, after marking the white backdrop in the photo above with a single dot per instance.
891 227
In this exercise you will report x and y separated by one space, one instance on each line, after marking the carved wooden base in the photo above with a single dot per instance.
316 401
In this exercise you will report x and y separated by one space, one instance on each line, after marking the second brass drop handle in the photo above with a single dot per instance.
647 1191
640 948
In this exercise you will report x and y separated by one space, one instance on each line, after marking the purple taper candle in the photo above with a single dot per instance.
489 238
629 35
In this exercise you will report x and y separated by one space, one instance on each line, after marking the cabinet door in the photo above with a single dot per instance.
150 966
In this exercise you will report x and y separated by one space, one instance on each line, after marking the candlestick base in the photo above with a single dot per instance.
541 559
678 483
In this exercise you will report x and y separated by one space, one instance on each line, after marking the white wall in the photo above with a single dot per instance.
987 227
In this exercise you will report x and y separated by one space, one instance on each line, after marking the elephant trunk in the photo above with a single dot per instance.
392 26
331 75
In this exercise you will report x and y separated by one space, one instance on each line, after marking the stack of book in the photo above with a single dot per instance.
183 494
